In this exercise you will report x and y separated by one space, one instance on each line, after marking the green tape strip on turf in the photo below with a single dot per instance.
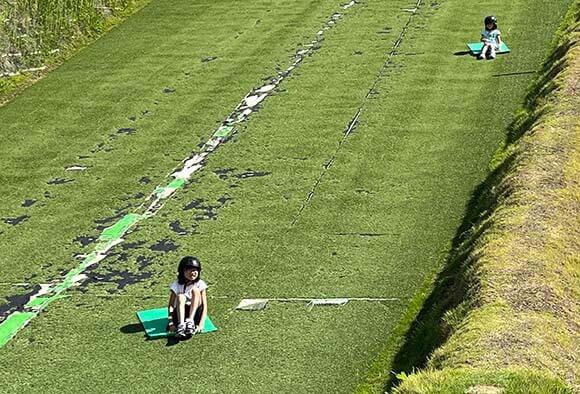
223 131
117 230
42 302
176 184
17 320
161 191
13 324
91 257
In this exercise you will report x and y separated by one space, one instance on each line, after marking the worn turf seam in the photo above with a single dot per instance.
352 125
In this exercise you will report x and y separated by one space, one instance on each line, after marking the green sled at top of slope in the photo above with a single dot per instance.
476 47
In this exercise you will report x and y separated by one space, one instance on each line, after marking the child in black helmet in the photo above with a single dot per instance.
491 37
187 299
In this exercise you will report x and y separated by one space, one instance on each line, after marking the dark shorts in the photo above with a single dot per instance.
196 315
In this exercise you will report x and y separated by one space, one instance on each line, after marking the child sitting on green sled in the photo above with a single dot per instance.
491 37
187 300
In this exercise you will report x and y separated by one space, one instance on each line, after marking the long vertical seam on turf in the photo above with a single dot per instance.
354 121
112 236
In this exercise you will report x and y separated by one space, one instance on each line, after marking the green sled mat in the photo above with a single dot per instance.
476 47
155 323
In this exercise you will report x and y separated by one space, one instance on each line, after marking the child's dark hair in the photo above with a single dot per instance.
187 262
490 20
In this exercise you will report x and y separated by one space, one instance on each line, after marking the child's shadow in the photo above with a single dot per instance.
132 328
138 327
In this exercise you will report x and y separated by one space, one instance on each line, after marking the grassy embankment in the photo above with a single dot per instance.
504 315
38 35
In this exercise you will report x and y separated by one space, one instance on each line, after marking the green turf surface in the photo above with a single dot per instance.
379 224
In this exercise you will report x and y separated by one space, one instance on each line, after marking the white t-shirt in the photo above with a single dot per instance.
182 289
491 36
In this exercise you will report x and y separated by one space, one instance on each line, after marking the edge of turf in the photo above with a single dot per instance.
353 123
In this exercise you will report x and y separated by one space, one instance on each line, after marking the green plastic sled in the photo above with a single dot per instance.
476 47
155 323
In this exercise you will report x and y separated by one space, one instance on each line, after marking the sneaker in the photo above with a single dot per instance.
492 53
189 328
180 333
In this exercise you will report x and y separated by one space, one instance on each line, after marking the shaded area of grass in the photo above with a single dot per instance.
508 295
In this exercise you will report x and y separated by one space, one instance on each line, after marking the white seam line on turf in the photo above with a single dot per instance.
354 121
256 304
112 235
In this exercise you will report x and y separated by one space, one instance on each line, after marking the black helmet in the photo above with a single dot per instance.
490 20
187 262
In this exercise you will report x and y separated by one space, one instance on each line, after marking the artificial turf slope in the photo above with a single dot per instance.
379 224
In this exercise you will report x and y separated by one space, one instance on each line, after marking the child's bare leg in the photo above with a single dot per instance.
484 51
195 303
181 300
